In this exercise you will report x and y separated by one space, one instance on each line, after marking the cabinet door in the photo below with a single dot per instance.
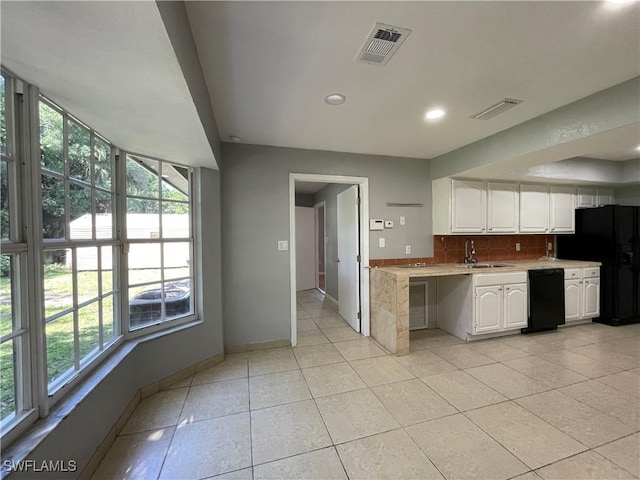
488 309
591 302
572 299
586 197
468 207
562 205
515 306
502 211
604 197
534 208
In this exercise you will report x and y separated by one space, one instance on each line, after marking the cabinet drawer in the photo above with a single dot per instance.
590 272
486 279
572 273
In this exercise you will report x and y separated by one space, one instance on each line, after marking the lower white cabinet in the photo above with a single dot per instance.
500 307
476 305
581 293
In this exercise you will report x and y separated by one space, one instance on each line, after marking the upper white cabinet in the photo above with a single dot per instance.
588 197
468 207
477 207
459 206
562 205
503 207
605 197
534 208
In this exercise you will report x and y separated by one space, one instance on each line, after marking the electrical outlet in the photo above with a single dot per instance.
402 221
550 246
283 245
381 242
517 246
407 249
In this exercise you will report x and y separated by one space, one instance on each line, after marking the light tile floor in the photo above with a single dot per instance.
557 405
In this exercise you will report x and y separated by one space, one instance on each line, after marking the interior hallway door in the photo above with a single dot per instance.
348 257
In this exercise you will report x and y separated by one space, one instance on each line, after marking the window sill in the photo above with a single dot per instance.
35 434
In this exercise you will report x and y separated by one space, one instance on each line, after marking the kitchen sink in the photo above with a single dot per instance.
485 265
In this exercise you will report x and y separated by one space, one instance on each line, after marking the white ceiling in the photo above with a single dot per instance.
309 188
112 65
269 65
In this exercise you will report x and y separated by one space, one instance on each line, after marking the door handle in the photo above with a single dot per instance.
338 261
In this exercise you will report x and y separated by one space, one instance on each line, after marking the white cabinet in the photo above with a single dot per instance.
503 202
562 204
478 207
572 299
591 297
488 309
588 197
581 293
545 209
515 306
500 302
605 197
468 207
534 208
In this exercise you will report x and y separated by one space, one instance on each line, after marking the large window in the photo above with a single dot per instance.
80 245
96 246
158 221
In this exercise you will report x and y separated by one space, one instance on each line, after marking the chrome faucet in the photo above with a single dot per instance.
469 253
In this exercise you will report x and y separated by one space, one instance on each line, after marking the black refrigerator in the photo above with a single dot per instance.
609 235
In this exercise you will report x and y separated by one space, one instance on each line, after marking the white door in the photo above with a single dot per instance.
348 265
534 208
591 298
489 305
468 207
572 299
562 201
503 212
515 306
305 243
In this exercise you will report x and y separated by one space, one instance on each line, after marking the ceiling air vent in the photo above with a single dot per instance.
500 107
381 43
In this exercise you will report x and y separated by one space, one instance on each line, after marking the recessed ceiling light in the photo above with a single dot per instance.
335 99
638 148
435 113
235 138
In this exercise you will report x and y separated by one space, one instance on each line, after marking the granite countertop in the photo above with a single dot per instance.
442 269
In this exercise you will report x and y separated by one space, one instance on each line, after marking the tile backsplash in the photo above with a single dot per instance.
489 248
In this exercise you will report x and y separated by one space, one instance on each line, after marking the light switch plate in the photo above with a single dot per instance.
407 249
283 245
381 242
402 221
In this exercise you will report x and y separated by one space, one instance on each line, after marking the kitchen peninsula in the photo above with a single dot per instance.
390 292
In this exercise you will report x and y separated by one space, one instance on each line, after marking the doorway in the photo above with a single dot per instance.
320 219
360 236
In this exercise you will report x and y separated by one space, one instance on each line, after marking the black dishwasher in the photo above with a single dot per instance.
546 299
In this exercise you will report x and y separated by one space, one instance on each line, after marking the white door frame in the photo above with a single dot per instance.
316 207
364 242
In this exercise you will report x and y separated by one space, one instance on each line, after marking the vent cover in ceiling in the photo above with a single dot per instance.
381 43
500 107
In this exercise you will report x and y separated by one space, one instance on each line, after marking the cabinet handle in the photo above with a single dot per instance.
507 289
500 288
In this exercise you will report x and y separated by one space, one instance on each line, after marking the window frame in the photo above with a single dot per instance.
17 246
60 385
36 395
156 327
